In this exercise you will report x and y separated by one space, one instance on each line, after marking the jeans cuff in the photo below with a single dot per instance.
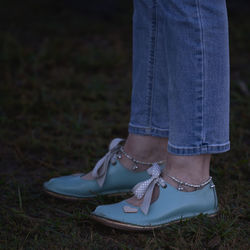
134 129
203 149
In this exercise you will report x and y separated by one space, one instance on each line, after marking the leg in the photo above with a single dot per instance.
148 126
181 82
149 103
197 94
181 77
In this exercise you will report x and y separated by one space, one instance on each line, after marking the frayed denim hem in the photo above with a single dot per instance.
203 149
133 129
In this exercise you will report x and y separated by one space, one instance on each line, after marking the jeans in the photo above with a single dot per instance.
181 74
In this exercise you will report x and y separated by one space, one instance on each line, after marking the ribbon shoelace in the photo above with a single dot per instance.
141 190
145 189
99 172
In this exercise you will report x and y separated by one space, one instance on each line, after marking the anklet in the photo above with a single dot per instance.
136 161
181 183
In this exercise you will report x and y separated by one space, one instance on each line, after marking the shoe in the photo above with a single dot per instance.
110 178
171 206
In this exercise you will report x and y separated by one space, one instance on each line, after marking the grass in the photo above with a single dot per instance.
65 84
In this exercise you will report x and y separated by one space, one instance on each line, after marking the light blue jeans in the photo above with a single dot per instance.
181 74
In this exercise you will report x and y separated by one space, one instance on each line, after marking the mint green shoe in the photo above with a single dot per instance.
171 206
110 178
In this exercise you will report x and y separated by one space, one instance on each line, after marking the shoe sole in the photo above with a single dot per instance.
131 227
72 198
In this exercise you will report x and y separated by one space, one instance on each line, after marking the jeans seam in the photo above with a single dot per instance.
202 68
148 131
202 149
151 64
153 127
209 145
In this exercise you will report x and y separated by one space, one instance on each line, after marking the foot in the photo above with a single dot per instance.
109 176
142 148
171 206
190 169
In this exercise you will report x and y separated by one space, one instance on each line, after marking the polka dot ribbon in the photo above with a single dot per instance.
145 189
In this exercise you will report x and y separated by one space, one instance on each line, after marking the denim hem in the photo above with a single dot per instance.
203 149
148 131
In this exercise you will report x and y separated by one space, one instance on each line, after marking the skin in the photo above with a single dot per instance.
192 169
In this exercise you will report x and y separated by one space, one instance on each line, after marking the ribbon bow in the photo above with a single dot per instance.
145 188
100 170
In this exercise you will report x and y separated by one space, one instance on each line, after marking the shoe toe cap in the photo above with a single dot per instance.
62 185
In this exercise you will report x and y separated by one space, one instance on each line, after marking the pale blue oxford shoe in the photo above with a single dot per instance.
171 206
110 178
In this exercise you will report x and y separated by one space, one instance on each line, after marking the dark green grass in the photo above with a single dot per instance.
65 84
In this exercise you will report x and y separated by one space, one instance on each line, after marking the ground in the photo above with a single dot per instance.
65 84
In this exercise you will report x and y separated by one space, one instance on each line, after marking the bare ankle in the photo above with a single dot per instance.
144 148
190 169
147 149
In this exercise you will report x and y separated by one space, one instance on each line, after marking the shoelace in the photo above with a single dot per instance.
99 172
145 189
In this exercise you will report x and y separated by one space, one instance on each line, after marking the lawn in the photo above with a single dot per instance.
65 85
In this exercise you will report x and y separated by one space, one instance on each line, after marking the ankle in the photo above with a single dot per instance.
189 169
144 148
144 144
